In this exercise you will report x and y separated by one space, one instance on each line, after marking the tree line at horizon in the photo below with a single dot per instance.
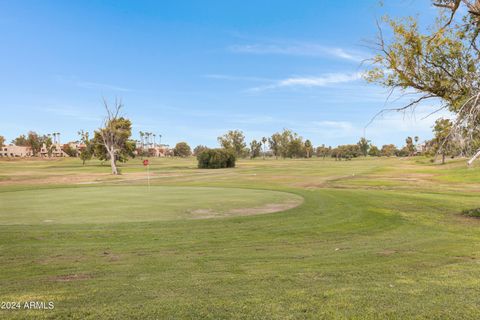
284 144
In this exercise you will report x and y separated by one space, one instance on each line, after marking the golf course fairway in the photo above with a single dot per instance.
367 239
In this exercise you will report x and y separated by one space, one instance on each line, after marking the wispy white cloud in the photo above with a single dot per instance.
299 49
101 86
236 78
320 81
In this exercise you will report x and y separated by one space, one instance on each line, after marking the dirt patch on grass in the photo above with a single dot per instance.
71 277
111 257
33 177
312 185
203 212
267 208
60 258
465 219
387 252
30 178
322 182
264 209
415 177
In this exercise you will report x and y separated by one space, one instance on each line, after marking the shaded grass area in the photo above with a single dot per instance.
349 251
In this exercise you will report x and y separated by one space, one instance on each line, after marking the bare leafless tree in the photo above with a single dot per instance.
112 135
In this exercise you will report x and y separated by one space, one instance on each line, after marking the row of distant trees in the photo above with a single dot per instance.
112 142
284 144
289 144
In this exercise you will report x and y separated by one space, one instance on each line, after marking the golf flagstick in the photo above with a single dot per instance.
146 163
148 176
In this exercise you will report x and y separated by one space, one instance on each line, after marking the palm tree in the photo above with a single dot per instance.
148 139
160 139
58 137
141 139
154 144
264 141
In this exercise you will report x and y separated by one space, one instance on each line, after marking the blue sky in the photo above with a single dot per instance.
191 70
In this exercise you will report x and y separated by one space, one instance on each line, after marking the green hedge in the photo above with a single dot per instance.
216 159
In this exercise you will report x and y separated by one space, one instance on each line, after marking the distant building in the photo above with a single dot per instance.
162 151
77 146
56 151
158 150
421 148
13 151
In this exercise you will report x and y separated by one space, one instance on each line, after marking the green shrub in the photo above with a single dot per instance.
216 159
475 213
347 151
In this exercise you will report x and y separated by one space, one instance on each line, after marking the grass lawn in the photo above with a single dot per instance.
371 239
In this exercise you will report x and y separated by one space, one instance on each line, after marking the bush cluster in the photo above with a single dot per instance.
474 213
216 159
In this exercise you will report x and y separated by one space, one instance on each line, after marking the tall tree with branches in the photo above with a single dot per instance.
308 149
114 134
443 138
274 142
364 145
86 150
234 140
442 64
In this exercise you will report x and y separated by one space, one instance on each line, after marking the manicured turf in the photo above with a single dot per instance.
373 239
107 204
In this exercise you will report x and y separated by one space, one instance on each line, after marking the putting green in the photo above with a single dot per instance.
109 204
